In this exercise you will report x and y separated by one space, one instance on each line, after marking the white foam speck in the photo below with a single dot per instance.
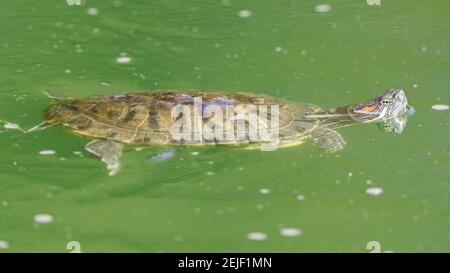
47 152
350 174
178 238
415 85
123 60
195 153
245 13
11 126
440 107
290 232
375 191
264 191
257 236
300 197
76 152
92 11
322 8
278 49
4 245
43 218
210 173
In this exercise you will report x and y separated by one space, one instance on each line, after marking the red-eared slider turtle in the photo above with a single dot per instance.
149 118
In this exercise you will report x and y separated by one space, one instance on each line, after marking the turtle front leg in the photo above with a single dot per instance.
328 139
109 152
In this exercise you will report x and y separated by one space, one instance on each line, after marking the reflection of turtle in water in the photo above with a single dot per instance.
146 118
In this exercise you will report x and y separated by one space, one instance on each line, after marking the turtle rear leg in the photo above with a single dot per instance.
108 151
328 139
41 126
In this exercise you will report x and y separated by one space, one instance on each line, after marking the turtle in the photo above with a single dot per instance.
149 118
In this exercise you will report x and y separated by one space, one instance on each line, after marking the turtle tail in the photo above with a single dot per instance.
39 127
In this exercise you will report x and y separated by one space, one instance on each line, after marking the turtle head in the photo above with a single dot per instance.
389 104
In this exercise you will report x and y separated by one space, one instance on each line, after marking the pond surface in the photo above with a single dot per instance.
382 187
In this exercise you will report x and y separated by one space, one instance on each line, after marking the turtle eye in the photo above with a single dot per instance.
386 102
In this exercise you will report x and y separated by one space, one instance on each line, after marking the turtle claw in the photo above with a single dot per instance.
108 151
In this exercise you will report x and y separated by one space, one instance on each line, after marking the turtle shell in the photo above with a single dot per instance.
147 117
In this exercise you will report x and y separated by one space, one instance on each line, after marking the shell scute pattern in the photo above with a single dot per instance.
147 117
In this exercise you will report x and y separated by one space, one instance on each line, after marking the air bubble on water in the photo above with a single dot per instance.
43 218
245 13
369 182
105 83
440 107
210 173
414 85
47 152
264 191
76 152
290 232
257 236
123 59
278 49
350 174
4 245
92 11
300 197
195 153
322 8
375 191
11 126
210 162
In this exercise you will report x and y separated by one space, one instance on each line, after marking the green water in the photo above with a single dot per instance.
212 201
